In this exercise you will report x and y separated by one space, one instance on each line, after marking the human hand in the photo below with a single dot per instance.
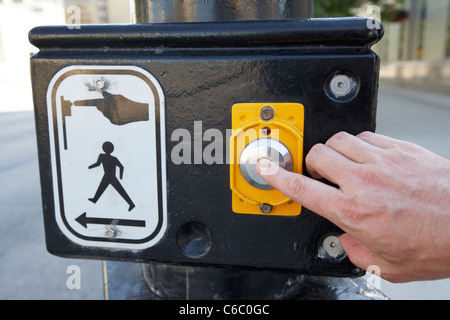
393 202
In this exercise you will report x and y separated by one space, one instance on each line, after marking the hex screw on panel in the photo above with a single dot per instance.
265 208
267 113
111 233
332 248
101 84
341 85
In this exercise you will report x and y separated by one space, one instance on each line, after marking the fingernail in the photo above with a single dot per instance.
264 164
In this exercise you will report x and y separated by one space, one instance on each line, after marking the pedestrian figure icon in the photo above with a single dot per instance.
109 164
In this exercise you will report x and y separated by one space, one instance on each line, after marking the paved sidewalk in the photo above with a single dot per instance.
27 270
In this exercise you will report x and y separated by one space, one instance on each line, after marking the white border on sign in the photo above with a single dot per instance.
68 233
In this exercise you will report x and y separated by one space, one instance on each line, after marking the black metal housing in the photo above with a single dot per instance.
204 68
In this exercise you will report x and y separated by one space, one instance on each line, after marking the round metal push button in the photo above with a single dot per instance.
260 149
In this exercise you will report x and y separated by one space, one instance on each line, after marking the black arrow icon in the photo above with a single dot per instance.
83 220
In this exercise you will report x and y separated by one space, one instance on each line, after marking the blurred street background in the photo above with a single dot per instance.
413 105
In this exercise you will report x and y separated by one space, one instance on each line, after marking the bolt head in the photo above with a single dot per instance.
100 84
341 85
111 233
267 113
332 246
265 208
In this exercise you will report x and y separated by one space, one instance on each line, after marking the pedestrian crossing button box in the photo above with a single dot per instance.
148 136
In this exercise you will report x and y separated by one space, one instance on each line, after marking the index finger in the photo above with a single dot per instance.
312 194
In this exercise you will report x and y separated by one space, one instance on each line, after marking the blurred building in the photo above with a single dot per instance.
100 11
415 51
17 17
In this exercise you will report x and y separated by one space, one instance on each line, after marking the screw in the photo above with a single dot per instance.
333 247
265 208
267 113
111 233
100 84
356 270
340 85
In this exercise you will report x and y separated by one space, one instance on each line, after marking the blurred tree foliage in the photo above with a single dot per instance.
389 10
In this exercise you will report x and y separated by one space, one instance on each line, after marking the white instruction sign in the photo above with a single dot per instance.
107 144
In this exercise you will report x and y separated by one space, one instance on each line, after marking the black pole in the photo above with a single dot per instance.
163 11
180 282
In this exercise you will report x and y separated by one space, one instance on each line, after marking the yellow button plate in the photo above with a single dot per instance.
247 124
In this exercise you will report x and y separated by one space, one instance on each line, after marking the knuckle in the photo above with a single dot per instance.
349 210
315 152
367 177
297 187
337 138
364 175
365 134
376 158
407 148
